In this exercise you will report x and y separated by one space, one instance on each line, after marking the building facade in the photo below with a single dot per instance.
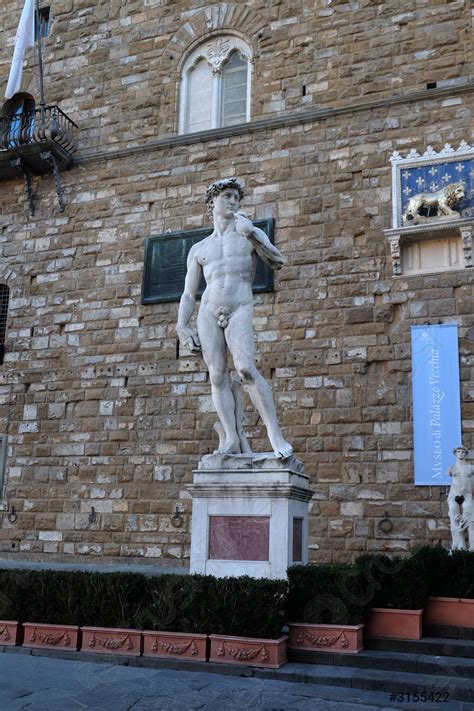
305 101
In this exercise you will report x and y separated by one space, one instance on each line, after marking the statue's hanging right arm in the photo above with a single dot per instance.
188 337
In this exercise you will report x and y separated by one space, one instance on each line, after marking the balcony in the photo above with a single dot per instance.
35 143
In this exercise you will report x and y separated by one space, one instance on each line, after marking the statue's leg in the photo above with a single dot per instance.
468 515
470 530
215 354
236 387
239 337
457 535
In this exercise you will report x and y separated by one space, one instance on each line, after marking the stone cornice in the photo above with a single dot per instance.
230 491
293 118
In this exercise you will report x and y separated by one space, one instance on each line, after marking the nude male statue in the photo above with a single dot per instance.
460 503
228 260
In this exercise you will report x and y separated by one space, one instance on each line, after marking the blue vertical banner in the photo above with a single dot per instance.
436 401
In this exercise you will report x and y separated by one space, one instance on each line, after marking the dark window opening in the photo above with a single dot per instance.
43 29
18 121
4 296
431 85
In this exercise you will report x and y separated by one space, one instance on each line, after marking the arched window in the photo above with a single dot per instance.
4 297
18 121
215 85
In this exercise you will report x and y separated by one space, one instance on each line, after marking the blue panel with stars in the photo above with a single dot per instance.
429 178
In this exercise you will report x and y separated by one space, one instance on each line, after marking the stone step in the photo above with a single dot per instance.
414 663
364 685
366 699
449 632
437 646
354 698
445 688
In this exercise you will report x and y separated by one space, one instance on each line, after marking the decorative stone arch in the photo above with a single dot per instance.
225 17
29 85
7 275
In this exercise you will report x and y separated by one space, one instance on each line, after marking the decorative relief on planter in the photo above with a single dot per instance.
9 632
173 648
326 638
323 640
242 654
51 636
246 651
175 644
111 641
5 635
108 643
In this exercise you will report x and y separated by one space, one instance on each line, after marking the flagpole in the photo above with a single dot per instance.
40 65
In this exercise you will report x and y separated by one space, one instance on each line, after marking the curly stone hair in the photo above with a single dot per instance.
218 186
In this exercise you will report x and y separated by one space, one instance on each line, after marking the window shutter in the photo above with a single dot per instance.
234 91
3 457
199 99
4 297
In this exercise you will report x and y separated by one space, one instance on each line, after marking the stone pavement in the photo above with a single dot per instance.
43 683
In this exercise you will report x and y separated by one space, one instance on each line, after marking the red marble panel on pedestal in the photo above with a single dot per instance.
297 540
239 537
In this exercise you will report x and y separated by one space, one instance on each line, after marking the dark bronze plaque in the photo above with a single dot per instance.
165 263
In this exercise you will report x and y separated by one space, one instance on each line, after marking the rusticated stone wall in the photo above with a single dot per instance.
98 411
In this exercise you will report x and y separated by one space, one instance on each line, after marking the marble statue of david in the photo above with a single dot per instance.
228 258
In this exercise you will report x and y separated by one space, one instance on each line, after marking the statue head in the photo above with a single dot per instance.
218 186
460 452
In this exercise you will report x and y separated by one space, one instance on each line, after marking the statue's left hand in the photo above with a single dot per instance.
244 225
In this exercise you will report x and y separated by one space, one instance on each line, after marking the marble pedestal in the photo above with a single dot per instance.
250 515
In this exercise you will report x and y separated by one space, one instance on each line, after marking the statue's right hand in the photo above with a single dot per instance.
188 338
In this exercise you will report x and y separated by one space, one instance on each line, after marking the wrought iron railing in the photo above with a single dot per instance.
38 127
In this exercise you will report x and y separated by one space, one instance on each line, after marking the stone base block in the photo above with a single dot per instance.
250 515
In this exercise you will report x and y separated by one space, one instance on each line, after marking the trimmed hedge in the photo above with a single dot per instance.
180 603
448 574
327 594
397 583
248 607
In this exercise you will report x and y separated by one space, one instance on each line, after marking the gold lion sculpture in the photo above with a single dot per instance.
437 204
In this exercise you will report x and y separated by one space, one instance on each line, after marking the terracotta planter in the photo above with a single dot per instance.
10 633
102 640
326 638
42 636
452 611
394 624
177 645
248 652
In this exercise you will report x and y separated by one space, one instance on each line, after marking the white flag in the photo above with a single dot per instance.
25 37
